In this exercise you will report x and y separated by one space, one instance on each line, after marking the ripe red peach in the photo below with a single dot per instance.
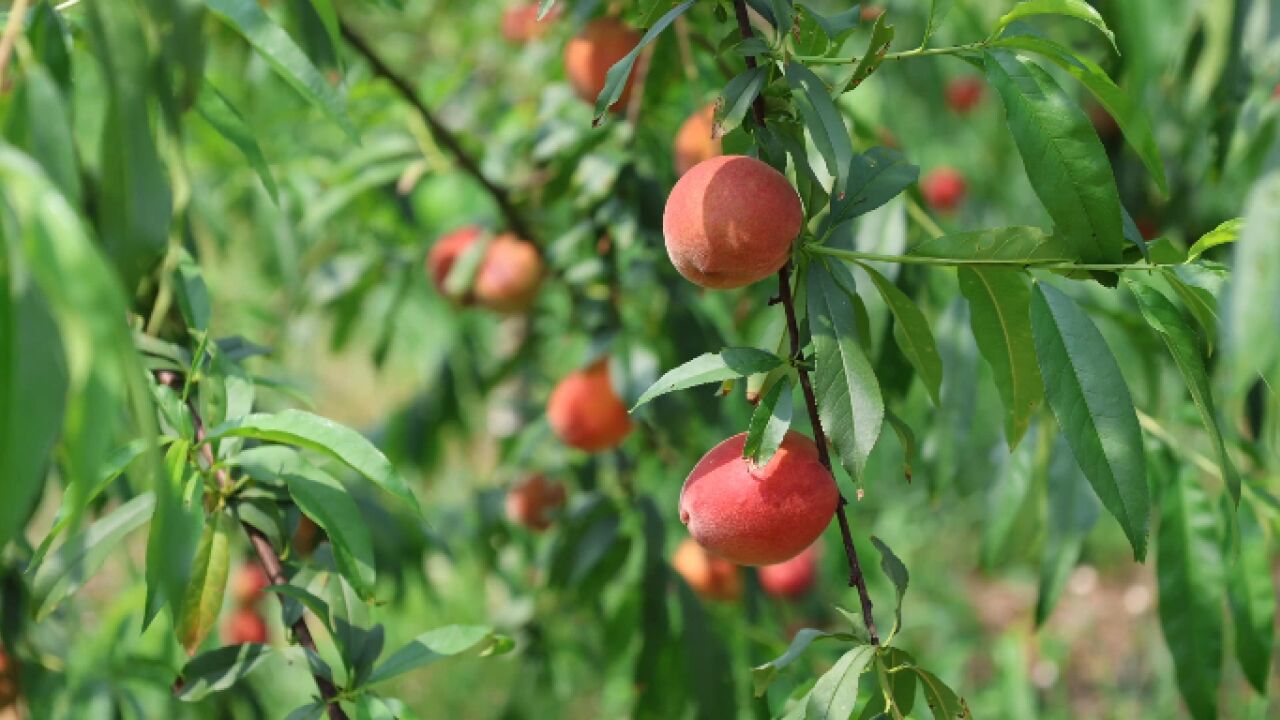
964 94
244 626
754 515
509 275
248 584
944 189
730 221
586 413
791 578
590 54
694 142
711 577
532 502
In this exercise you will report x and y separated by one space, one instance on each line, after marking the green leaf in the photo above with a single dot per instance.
327 502
284 56
836 693
835 29
39 122
1089 397
436 645
193 294
999 315
1073 511
33 392
220 669
874 178
762 675
850 405
938 10
728 364
1130 116
1020 244
134 203
461 278
1227 232
222 116
737 97
881 36
1078 9
1253 346
1252 597
616 79
943 702
208 582
73 562
1164 318
1064 159
769 424
1189 575
306 430
174 534
912 332
894 692
898 575
1200 302
310 601
824 122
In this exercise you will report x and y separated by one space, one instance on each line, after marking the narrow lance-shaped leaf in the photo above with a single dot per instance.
824 122
1252 595
836 692
1064 159
874 178
284 56
728 364
174 534
898 575
208 582
616 79
436 645
912 332
1089 398
220 669
943 702
1017 245
1189 574
1072 513
769 424
938 10
762 675
327 502
850 405
1253 346
1227 232
736 99
1164 318
1078 9
999 314
222 116
881 36
313 432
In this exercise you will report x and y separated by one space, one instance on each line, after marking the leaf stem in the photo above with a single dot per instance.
1045 264
904 55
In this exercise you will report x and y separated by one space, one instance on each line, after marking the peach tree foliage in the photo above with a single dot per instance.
125 397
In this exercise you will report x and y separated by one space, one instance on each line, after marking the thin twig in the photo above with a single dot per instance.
744 28
17 14
442 134
267 556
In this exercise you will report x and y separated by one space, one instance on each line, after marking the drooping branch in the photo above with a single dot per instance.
785 296
266 554
442 134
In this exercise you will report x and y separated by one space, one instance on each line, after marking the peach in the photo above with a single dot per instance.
730 221
711 577
589 55
520 22
754 515
871 12
244 626
532 502
943 189
586 413
964 94
307 537
248 584
509 275
792 578
694 141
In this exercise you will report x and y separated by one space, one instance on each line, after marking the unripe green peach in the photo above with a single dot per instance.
754 515
586 413
590 54
730 221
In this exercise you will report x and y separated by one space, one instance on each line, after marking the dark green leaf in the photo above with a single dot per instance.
1064 159
762 675
737 97
1189 573
222 116
1089 397
728 364
1073 511
220 669
824 122
836 693
999 302
850 405
943 702
881 36
1252 595
1015 245
616 78
769 424
40 123
912 332
874 178
897 574
328 503
1078 9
